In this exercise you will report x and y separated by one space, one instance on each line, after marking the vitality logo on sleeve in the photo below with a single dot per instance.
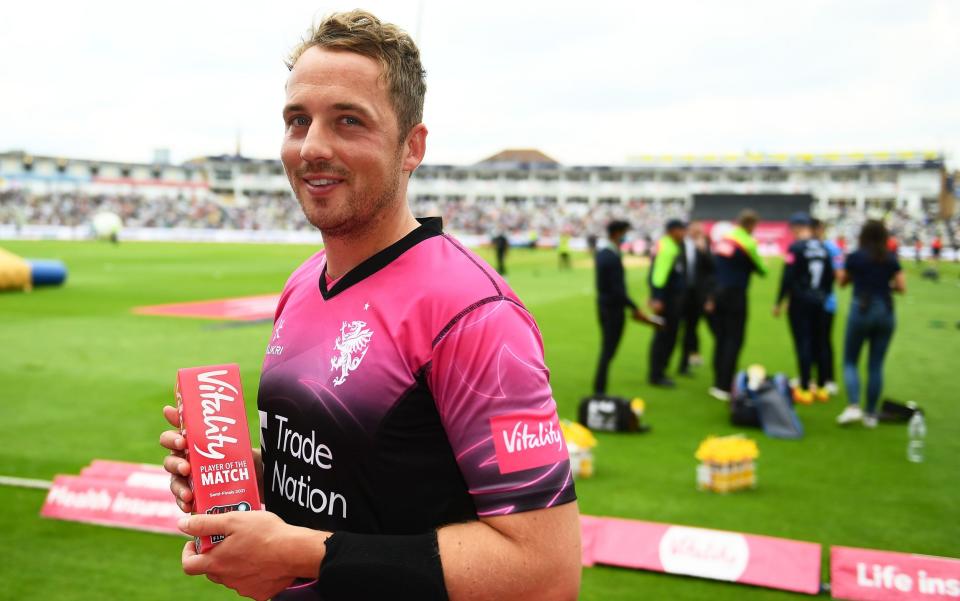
527 439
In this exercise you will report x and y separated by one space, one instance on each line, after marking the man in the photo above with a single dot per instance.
735 259
829 307
563 251
807 281
668 282
612 300
699 282
407 359
500 246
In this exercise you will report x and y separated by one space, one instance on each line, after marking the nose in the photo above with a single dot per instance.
316 145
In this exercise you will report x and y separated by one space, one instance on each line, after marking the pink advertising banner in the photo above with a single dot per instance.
868 575
716 554
112 502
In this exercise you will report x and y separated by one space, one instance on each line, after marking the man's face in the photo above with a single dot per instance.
342 151
677 233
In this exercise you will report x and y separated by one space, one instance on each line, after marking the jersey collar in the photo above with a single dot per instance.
429 227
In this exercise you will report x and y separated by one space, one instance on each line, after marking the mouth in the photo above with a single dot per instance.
319 186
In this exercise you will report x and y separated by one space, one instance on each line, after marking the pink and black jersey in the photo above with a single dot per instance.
408 394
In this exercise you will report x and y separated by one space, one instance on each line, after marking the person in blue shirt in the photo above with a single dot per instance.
875 274
807 281
826 367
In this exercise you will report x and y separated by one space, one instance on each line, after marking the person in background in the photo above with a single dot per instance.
875 273
533 238
668 283
735 258
500 246
807 281
592 243
828 360
563 251
893 245
612 299
936 247
699 276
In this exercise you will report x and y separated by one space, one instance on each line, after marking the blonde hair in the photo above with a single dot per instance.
361 32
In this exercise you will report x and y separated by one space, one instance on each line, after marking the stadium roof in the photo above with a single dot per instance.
784 159
520 156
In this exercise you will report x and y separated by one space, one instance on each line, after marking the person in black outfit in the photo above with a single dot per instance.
807 281
500 246
699 281
668 283
612 300
735 258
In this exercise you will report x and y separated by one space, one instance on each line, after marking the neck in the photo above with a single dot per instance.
346 252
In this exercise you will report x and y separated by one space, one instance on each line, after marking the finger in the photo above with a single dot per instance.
181 490
173 440
172 415
193 563
176 465
206 524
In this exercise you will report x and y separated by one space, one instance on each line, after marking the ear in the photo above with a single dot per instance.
414 148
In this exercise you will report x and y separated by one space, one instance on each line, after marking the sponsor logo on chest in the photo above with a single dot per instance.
276 347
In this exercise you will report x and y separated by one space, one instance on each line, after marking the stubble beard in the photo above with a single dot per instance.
362 208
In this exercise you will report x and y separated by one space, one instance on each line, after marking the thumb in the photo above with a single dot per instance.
206 524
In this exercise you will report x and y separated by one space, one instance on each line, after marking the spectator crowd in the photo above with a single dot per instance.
527 221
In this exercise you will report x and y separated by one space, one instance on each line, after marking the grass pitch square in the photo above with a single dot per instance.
82 377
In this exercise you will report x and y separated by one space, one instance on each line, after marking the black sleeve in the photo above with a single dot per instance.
622 286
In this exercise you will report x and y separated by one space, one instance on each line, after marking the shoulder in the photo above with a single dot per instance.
605 256
449 277
307 275
309 270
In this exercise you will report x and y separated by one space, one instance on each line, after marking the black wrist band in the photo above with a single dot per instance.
362 567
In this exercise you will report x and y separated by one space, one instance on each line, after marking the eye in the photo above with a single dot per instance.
298 121
351 121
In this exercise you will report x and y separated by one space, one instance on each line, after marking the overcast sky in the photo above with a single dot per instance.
588 83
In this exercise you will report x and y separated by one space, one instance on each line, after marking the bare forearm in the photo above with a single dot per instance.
539 563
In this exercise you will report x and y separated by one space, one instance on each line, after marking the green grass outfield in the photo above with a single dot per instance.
83 378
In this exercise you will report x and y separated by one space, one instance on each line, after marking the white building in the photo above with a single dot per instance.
910 181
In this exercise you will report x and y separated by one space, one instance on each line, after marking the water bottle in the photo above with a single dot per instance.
916 432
